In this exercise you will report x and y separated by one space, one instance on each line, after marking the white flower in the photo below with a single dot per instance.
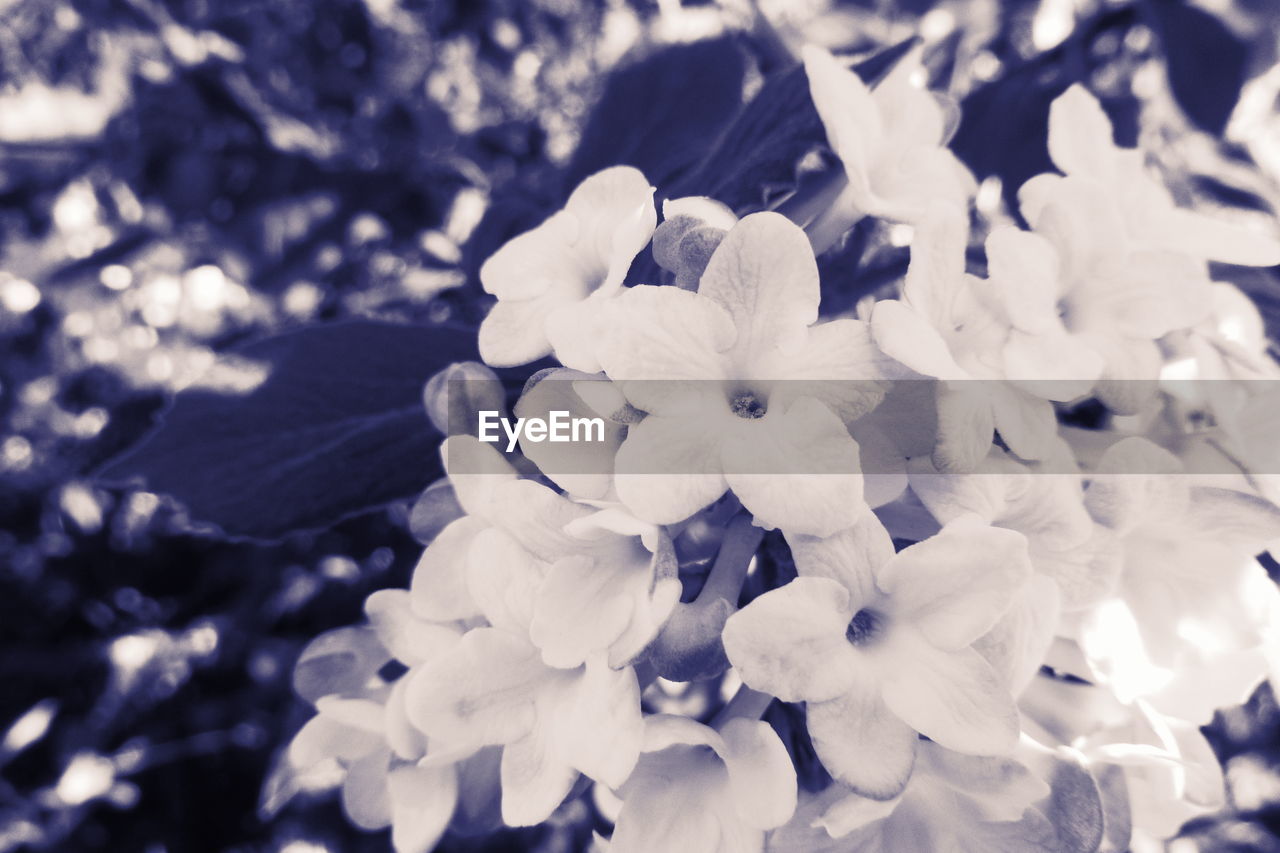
954 802
1189 590
595 581
549 280
703 790
361 724
879 646
947 325
493 689
742 390
1082 146
892 142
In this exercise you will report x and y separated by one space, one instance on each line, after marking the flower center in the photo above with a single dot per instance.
745 404
865 626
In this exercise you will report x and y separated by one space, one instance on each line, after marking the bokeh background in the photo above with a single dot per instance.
181 176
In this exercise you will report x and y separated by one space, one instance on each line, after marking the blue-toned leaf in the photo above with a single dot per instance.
332 425
771 134
1205 62
661 113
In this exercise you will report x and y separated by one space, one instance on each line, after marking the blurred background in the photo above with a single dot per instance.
181 176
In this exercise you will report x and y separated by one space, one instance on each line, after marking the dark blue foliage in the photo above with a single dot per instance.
337 427
1206 63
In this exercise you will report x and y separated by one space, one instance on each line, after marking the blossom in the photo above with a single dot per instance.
598 580
1170 771
1064 543
879 646
493 689
891 141
1189 588
1082 146
1037 800
548 280
733 379
699 789
361 724
947 325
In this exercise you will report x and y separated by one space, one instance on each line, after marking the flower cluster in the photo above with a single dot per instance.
841 582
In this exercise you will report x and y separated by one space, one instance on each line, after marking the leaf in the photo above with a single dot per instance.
336 427
1204 60
661 113
771 134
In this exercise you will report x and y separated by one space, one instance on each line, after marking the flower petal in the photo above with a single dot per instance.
790 642
438 590
668 468
584 606
535 780
954 586
762 780
364 791
798 470
764 275
663 333
852 557
410 639
1080 141
862 743
596 724
481 693
503 580
515 333
422 803
849 114
954 698
909 337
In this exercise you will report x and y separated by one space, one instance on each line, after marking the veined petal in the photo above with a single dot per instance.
669 468
952 697
954 586
790 642
481 693
534 263
1016 645
798 470
862 743
665 333
764 275
839 365
851 556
